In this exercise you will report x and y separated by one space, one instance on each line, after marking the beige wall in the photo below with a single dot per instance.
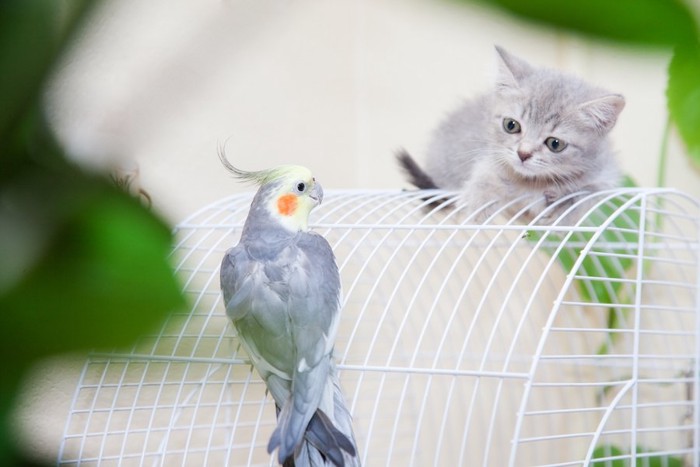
336 86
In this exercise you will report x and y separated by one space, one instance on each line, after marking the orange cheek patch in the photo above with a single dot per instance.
287 204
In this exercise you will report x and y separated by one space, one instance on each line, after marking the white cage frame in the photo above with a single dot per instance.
460 344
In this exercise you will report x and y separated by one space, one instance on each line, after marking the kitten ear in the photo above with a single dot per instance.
511 70
602 113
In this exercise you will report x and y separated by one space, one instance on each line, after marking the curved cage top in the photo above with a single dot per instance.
500 343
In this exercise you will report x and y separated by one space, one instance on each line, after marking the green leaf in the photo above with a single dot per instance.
649 459
82 265
606 451
683 96
642 22
101 276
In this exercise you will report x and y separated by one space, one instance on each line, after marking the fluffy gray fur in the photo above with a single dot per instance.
558 144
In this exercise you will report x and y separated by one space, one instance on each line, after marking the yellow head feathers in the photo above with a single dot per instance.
296 191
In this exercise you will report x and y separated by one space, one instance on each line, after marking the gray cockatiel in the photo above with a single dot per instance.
281 289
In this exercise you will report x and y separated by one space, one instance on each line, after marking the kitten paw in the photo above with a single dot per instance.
479 209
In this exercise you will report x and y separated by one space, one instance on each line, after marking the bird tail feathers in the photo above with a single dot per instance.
328 438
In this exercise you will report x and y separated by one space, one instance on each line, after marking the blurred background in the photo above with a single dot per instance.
151 89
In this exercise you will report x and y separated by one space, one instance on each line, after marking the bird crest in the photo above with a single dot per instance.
297 195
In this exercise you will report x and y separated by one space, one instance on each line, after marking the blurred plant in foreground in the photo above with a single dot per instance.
82 264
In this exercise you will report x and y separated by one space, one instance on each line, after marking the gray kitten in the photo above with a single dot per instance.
538 132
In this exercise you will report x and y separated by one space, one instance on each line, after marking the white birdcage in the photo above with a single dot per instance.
460 344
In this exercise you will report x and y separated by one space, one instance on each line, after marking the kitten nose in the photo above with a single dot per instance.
524 155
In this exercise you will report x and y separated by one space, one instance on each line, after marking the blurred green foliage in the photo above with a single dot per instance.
637 22
82 264
609 455
683 95
645 23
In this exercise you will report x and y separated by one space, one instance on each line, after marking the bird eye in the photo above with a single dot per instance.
511 126
555 144
301 186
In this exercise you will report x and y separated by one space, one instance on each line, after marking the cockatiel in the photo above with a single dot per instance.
281 289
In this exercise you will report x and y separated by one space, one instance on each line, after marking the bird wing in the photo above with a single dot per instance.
258 309
314 305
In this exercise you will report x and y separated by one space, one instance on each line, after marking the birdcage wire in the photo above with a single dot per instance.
508 341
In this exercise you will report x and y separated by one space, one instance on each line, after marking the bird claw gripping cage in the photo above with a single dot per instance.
499 343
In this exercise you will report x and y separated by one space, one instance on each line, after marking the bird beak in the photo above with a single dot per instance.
316 193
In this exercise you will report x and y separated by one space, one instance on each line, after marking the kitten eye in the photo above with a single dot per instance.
555 144
301 186
511 126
